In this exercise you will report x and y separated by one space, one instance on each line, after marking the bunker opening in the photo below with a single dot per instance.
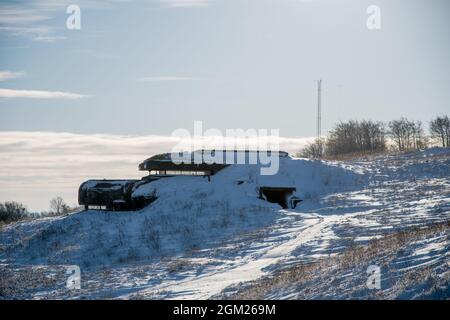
284 196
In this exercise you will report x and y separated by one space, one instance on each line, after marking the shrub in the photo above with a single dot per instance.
11 211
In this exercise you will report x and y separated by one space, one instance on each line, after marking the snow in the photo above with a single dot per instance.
200 238
430 247
367 238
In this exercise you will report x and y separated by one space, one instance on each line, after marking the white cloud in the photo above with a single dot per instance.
24 20
7 75
48 38
38 94
20 16
26 30
33 19
36 166
44 34
185 3
169 78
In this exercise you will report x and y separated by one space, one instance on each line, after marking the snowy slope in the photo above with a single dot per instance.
200 238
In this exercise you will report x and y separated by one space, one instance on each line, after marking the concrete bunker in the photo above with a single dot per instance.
122 195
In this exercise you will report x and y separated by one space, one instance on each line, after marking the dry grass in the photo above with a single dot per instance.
351 257
366 155
18 283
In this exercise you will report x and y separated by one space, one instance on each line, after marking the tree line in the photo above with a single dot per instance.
11 211
367 137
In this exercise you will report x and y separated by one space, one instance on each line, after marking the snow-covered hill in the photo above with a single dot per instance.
201 238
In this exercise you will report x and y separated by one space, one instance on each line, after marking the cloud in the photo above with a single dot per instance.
169 78
185 3
48 38
19 15
7 75
25 30
36 19
36 166
38 94
20 19
44 34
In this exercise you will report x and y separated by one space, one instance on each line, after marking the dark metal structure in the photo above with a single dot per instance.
105 193
168 168
202 162
113 195
117 195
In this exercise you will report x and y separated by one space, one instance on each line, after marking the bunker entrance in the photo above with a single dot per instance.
280 195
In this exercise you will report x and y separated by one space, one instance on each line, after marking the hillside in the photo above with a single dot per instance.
216 239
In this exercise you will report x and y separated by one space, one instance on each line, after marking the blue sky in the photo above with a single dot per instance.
137 70
149 67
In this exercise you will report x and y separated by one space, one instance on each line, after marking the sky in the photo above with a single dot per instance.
142 69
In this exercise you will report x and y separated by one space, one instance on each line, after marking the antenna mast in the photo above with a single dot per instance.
319 114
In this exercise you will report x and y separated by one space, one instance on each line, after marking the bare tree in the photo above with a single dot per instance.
407 135
372 136
440 129
58 206
398 133
313 150
420 141
356 137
